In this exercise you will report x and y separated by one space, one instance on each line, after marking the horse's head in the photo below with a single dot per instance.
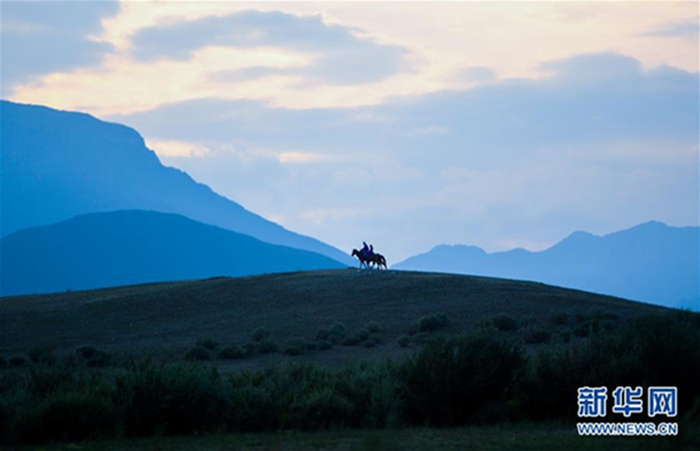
355 252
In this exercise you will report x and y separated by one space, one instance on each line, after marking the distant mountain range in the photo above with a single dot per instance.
129 247
57 164
651 262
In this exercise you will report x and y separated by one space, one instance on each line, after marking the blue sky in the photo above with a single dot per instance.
408 125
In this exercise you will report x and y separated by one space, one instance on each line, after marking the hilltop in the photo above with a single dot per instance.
167 318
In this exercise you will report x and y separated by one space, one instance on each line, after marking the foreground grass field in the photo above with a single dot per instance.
476 438
167 319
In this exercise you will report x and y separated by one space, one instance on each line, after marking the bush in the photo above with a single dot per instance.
86 352
260 334
197 353
373 327
370 343
322 409
565 335
432 323
450 382
207 343
537 336
404 341
323 334
324 345
559 319
356 338
581 331
505 322
336 333
298 345
250 348
232 352
17 360
99 360
42 354
267 346
2 361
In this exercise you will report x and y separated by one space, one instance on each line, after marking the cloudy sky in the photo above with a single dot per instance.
406 124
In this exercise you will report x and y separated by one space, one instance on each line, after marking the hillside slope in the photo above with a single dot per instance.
651 262
58 164
171 316
128 247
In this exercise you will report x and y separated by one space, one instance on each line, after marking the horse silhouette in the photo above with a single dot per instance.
375 259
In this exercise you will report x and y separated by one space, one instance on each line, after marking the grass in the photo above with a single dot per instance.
166 319
523 437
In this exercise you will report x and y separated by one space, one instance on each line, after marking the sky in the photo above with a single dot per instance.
405 124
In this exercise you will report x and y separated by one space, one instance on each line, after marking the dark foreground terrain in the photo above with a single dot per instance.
334 360
167 319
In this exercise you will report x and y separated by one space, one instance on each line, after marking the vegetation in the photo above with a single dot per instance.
505 322
494 377
431 323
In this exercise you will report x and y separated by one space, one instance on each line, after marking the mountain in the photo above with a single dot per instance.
651 262
130 247
57 164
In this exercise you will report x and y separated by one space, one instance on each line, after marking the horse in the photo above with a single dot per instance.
376 259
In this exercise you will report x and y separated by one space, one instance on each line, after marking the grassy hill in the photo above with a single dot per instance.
167 318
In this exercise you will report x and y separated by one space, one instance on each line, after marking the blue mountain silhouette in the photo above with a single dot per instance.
57 164
651 262
128 247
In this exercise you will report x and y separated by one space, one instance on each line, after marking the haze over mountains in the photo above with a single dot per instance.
651 262
129 247
57 164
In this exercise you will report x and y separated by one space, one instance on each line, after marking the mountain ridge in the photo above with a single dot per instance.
59 164
98 250
649 262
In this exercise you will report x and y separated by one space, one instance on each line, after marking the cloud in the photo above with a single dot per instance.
676 29
43 37
478 74
341 56
600 144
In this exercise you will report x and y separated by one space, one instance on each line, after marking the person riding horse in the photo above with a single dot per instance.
367 256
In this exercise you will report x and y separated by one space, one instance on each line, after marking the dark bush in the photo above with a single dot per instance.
324 345
260 333
322 409
356 338
336 333
451 382
170 399
232 352
298 345
2 361
404 341
267 346
505 322
373 327
323 334
17 360
99 360
42 354
86 351
207 343
197 354
565 335
559 319
369 343
537 336
250 348
582 330
432 323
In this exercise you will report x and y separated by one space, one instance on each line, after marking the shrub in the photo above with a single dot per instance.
250 348
324 345
42 354
267 346
207 343
537 336
17 360
336 333
98 360
432 323
232 352
292 350
559 319
260 333
2 361
323 334
86 351
298 345
373 327
197 353
370 343
581 331
505 322
450 382
322 409
404 341
565 335
356 338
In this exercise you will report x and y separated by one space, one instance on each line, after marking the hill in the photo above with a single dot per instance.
651 262
128 247
168 318
58 164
